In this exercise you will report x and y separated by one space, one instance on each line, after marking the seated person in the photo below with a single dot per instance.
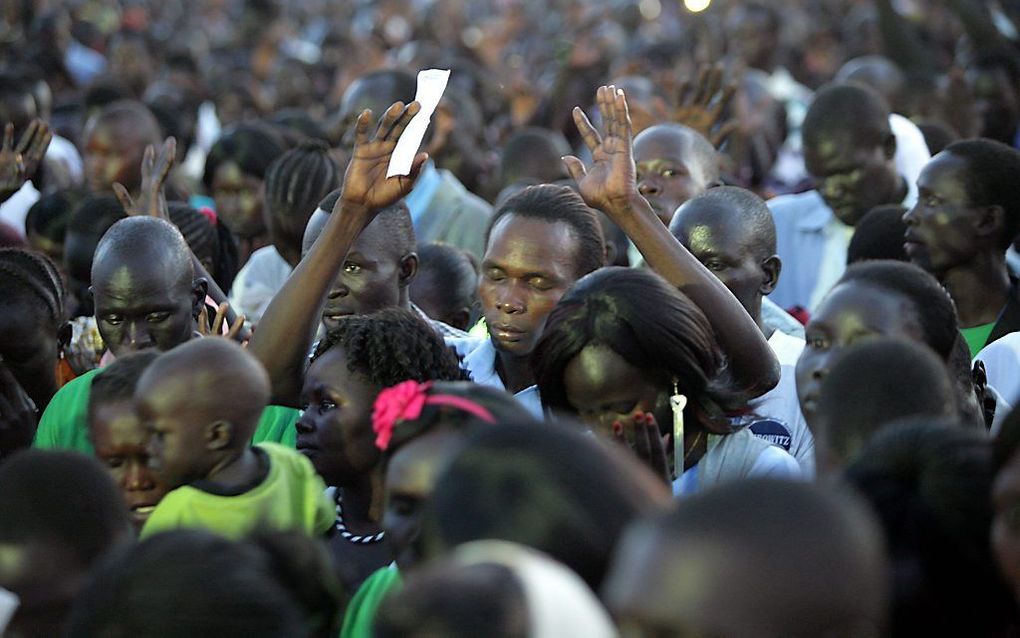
879 381
118 437
200 404
730 231
762 558
295 183
446 285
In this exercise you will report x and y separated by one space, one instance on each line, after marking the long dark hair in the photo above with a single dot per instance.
649 323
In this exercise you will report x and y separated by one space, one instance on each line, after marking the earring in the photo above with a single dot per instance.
677 403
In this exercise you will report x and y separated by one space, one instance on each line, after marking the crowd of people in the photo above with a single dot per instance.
680 323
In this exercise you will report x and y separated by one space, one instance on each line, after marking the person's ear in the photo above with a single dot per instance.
218 435
64 334
461 319
408 269
199 290
889 146
770 268
990 221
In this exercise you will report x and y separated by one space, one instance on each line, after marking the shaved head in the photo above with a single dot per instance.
137 240
754 558
730 206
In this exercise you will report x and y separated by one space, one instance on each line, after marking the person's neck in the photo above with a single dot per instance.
363 501
236 470
979 288
404 300
515 371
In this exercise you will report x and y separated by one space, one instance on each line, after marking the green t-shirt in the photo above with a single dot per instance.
360 614
291 497
977 337
64 424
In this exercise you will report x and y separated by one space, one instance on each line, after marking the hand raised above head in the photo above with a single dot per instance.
366 186
155 170
610 184
19 163
701 105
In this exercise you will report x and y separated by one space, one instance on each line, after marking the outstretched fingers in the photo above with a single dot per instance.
123 197
165 161
362 127
591 137
403 119
622 116
575 168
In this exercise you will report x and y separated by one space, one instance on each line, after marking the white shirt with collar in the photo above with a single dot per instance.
812 243
478 356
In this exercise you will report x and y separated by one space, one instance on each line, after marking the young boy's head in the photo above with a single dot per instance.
446 285
118 436
200 404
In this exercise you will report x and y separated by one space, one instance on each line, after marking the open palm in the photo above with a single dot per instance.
365 183
610 183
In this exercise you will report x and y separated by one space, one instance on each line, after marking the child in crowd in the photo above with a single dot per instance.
117 435
200 404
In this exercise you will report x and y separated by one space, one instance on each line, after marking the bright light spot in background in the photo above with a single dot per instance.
650 9
696 6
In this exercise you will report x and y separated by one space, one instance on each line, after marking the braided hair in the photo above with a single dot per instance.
295 184
391 346
210 241
26 274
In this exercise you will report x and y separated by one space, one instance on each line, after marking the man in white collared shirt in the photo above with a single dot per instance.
850 150
541 241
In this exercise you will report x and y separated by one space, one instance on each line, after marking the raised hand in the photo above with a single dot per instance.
18 164
155 170
365 183
610 184
233 332
640 432
702 104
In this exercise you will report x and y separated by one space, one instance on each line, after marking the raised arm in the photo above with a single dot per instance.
288 326
610 186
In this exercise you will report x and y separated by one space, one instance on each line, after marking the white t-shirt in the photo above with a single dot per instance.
777 416
258 282
1002 364
732 454
478 357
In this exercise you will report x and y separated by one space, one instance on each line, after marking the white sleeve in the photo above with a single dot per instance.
776 463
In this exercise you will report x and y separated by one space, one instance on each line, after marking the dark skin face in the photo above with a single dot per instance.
602 387
239 200
668 173
113 153
943 229
729 248
141 304
182 440
335 431
1006 523
528 265
28 348
120 444
853 176
851 313
373 277
410 478
996 103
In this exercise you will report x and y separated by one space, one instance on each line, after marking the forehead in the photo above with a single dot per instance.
712 227
944 172
834 150
375 242
859 305
330 371
116 424
135 282
663 145
536 245
416 465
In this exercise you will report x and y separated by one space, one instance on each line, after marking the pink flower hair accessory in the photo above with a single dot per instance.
402 402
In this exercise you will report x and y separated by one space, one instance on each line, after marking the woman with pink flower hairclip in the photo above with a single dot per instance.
419 427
